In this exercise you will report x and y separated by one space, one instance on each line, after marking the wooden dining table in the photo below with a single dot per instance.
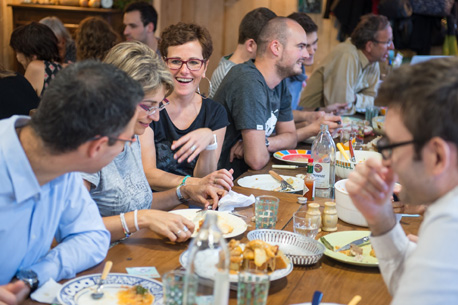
338 281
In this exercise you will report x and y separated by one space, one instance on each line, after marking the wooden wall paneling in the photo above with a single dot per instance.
283 7
171 11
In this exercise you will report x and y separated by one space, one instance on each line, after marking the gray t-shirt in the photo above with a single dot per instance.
121 186
250 104
220 72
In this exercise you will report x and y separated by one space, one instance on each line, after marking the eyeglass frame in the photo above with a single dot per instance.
153 109
202 61
132 140
389 147
387 43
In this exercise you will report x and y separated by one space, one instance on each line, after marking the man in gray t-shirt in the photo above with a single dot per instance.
258 101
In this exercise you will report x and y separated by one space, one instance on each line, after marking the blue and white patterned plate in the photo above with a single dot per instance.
78 291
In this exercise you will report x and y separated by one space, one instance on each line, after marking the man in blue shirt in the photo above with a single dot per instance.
85 117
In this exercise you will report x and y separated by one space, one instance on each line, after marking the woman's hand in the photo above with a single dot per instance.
221 178
192 144
174 227
203 194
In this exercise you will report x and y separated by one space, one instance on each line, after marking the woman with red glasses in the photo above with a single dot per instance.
185 144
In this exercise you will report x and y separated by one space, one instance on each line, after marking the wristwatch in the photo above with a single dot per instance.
29 277
179 195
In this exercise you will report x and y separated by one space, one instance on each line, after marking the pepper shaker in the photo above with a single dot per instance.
330 217
313 212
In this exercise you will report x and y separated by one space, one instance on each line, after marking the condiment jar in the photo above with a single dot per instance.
330 217
313 212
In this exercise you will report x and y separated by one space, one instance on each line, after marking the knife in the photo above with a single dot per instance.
357 242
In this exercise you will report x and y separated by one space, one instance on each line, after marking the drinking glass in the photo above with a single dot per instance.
266 210
305 225
253 287
174 285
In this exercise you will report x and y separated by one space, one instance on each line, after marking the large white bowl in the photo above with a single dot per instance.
346 210
344 167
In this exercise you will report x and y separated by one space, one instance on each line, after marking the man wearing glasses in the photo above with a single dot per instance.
420 151
83 121
347 78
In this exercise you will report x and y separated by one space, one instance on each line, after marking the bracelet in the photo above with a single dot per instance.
214 145
184 180
124 225
178 191
136 220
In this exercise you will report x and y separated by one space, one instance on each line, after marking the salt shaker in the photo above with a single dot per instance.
330 217
313 212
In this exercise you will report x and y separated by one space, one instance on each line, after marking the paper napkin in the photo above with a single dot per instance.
234 200
47 293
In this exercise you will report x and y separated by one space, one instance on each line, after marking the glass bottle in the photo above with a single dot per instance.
324 164
208 258
309 182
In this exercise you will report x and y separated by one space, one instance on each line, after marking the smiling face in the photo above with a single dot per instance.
312 45
379 50
151 99
294 52
185 80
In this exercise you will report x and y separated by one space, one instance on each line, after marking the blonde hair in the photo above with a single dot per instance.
142 64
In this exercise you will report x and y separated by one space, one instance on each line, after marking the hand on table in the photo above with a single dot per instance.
13 293
174 227
370 187
203 194
221 178
333 122
192 144
236 151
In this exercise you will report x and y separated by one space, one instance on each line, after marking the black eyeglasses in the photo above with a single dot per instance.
386 149
129 141
387 43
154 109
193 64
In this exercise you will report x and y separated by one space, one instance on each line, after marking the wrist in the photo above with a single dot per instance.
185 193
181 193
183 182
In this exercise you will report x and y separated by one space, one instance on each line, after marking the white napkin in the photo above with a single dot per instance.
47 293
234 200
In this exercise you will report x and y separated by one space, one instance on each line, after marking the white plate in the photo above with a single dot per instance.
269 183
209 260
78 291
235 222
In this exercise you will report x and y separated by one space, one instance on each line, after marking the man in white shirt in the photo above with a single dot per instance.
420 151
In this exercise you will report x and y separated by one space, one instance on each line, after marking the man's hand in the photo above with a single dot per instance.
203 194
236 151
336 108
370 187
13 293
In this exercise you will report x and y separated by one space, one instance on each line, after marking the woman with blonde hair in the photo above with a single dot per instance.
120 189
185 144
94 38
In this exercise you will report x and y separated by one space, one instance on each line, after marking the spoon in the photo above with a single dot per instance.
317 296
355 300
98 294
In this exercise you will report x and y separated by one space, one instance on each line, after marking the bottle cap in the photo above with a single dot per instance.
310 160
302 200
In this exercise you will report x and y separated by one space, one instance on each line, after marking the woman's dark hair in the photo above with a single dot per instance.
35 39
181 33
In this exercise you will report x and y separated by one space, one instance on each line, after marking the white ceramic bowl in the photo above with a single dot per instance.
346 210
378 123
344 167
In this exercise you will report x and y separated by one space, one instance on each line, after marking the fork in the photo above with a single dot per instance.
284 185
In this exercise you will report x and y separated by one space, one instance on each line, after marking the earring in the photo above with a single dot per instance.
209 89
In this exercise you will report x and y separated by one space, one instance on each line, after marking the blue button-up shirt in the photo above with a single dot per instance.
32 215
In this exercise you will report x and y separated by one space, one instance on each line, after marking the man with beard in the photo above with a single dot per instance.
257 99
421 151
347 78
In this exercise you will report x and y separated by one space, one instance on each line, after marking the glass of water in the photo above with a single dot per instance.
305 225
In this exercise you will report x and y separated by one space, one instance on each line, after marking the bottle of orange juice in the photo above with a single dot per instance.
309 182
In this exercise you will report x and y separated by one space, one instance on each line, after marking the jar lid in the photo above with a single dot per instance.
302 200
